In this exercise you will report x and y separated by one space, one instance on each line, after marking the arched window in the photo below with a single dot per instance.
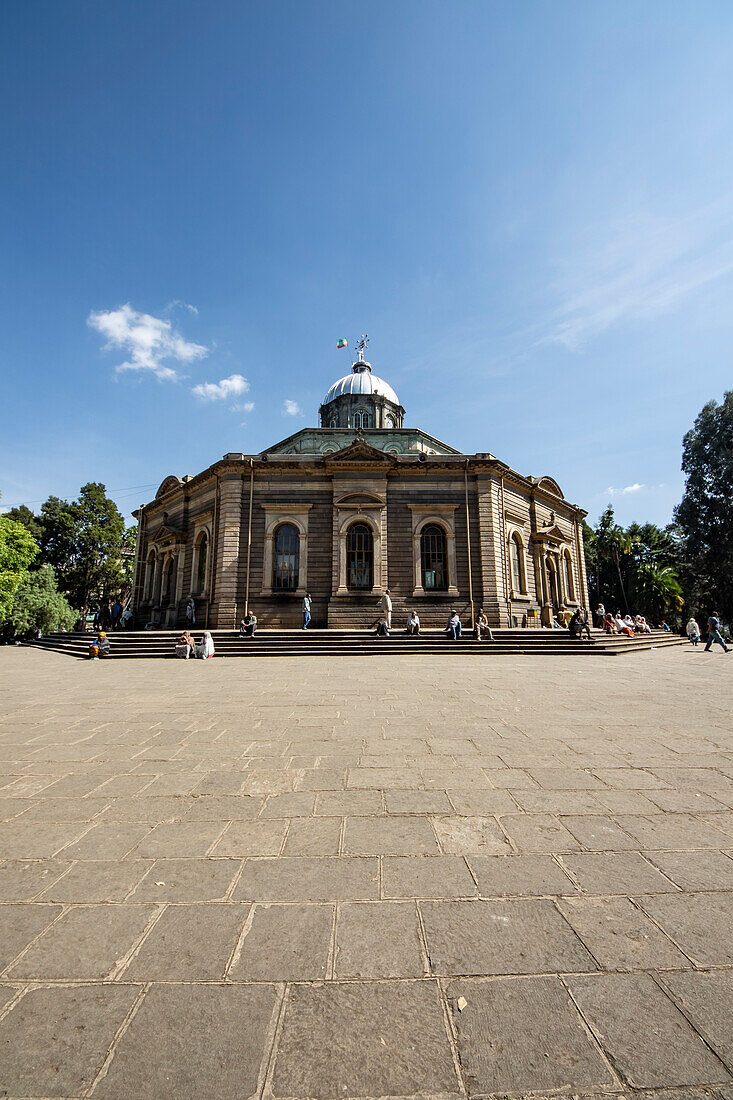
359 557
202 555
165 595
286 558
569 585
516 554
389 421
433 558
149 575
334 422
362 419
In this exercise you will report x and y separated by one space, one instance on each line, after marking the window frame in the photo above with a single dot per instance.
435 532
293 572
354 555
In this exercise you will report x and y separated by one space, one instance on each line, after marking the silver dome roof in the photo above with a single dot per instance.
362 381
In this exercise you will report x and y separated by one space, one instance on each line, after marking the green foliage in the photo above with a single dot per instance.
635 569
38 605
83 540
86 543
705 514
23 515
18 548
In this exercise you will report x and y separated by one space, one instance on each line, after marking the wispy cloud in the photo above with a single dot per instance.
291 408
625 491
178 304
640 266
232 386
151 343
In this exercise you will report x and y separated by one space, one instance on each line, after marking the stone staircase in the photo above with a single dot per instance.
341 643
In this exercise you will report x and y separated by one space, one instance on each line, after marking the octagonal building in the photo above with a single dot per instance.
351 508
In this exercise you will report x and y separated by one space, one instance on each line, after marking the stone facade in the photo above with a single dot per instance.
344 514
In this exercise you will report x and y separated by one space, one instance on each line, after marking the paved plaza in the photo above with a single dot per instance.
375 877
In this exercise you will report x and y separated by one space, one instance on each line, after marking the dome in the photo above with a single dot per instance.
362 381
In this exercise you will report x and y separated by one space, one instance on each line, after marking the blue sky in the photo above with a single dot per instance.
528 206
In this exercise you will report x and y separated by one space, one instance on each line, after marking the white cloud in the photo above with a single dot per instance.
178 304
626 489
149 341
638 266
291 408
220 391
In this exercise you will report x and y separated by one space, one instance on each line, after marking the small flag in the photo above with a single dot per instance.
342 343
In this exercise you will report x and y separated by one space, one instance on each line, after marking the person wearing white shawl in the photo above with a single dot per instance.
205 647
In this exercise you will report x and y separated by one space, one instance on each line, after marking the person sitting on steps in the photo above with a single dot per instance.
413 624
248 625
453 630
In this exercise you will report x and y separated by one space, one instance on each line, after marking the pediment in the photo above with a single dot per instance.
359 451
167 485
167 532
550 534
360 501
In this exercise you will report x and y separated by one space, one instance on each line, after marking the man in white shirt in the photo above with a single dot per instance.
413 623
386 605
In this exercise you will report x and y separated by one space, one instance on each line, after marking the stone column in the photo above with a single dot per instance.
491 535
224 608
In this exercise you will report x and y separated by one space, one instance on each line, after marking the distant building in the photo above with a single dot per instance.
345 511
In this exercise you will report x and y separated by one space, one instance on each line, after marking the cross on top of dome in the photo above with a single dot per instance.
361 363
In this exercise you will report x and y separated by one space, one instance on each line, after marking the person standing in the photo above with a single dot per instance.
191 611
306 610
116 613
693 631
601 615
386 606
714 634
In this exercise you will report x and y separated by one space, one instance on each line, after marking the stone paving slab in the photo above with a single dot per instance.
302 881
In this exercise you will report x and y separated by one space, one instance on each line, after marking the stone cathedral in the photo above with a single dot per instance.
351 508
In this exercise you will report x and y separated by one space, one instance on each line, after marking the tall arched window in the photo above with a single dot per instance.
165 595
569 585
202 555
389 421
516 554
359 557
433 558
286 558
362 419
150 575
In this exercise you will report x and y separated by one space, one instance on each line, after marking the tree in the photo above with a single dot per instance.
18 548
705 513
39 606
636 568
23 514
85 542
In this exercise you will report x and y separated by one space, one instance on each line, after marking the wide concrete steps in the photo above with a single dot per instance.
339 643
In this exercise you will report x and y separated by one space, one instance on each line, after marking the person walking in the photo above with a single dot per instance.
306 610
692 630
714 634
385 605
116 614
